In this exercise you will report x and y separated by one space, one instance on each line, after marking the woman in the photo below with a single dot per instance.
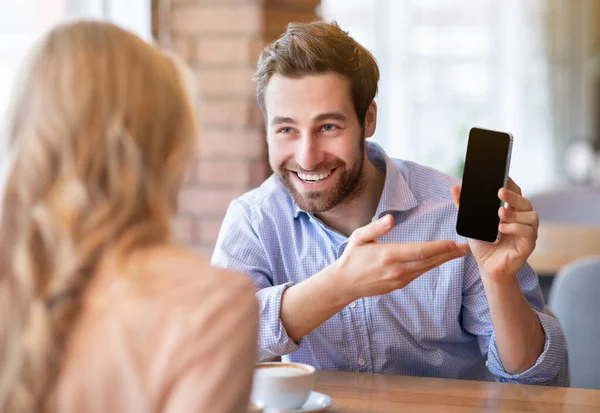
99 310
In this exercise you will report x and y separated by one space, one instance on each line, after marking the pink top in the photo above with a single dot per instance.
170 334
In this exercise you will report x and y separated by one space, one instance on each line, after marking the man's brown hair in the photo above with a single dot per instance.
319 47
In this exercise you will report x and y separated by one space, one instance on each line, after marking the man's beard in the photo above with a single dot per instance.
350 184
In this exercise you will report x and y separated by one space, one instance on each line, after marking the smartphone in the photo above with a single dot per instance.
486 171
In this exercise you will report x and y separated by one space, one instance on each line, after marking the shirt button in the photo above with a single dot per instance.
361 361
353 304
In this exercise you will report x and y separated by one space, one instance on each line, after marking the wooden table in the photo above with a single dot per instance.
558 245
381 393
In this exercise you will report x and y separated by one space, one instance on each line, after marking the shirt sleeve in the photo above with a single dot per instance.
551 367
240 248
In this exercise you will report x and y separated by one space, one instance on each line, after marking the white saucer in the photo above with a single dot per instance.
317 402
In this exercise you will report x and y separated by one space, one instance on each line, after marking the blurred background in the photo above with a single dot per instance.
529 67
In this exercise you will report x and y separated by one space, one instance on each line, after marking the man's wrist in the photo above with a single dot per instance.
499 279
336 284
500 284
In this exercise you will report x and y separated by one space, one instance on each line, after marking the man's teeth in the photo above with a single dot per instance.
314 178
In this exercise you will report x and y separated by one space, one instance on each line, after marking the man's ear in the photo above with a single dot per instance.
371 120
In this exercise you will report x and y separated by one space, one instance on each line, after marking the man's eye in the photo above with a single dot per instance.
328 128
285 130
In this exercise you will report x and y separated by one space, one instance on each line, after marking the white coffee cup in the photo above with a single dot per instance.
283 385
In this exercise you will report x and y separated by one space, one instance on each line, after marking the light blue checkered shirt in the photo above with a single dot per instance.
437 326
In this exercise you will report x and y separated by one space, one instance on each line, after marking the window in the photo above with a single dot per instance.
448 65
22 22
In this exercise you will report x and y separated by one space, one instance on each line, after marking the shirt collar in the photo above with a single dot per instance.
396 195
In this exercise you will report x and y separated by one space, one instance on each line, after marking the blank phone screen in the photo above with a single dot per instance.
485 172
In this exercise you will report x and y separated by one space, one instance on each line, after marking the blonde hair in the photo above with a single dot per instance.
101 132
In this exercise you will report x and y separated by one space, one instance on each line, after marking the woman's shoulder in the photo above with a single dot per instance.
182 272
165 287
168 276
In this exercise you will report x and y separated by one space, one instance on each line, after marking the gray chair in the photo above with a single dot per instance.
577 205
575 300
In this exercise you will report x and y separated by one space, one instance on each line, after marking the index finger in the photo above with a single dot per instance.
512 186
424 250
515 201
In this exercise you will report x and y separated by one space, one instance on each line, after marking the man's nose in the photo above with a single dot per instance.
309 155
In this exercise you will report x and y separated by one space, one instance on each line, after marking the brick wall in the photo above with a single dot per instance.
221 41
597 21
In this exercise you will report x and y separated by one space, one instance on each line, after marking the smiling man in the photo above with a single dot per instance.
355 256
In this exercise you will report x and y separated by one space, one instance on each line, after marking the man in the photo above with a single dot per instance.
355 256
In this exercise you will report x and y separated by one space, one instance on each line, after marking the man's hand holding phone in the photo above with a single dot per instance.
369 268
518 234
501 237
